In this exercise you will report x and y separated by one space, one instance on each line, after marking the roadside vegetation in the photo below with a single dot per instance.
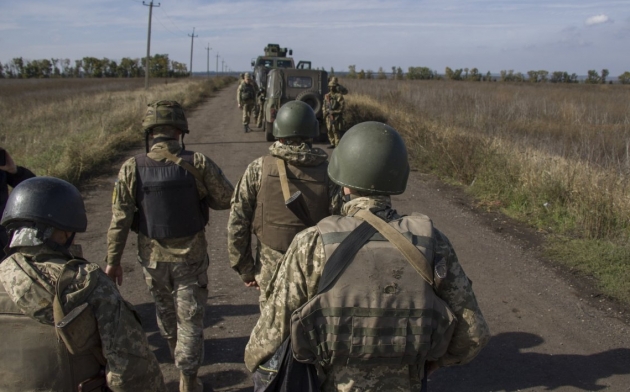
556 156
72 128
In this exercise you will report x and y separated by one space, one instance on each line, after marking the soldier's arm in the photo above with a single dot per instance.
131 365
238 93
471 333
123 209
215 182
243 206
294 283
342 105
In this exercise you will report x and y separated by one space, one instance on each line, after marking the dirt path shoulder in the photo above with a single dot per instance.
546 335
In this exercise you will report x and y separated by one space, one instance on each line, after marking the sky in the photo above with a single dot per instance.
491 35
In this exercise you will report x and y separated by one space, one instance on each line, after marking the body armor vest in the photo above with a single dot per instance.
33 357
274 224
167 198
379 311
247 92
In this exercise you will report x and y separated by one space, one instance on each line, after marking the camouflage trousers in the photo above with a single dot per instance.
248 108
267 260
335 127
260 116
180 291
372 378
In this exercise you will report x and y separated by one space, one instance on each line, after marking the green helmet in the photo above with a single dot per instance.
371 158
296 119
165 113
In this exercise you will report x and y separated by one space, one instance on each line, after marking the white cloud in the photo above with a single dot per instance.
597 19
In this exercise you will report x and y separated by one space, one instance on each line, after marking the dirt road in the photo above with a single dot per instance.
547 333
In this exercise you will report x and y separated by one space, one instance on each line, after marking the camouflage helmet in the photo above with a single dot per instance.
371 158
296 119
46 200
165 113
333 82
247 76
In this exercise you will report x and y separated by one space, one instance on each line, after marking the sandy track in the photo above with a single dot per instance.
547 334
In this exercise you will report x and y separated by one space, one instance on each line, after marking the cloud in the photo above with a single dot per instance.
598 19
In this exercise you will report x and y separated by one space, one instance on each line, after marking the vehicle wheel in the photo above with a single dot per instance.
312 98
269 132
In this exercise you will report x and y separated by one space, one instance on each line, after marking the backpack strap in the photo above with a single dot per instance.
411 253
344 254
284 180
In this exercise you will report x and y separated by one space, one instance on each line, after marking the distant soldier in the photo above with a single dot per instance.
258 204
63 323
164 195
260 103
374 299
341 88
334 105
246 98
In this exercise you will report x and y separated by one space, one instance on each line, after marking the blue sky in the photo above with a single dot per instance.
555 35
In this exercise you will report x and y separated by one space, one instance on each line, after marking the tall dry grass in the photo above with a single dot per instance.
555 156
71 128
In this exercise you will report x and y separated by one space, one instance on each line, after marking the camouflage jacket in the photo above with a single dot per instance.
240 88
243 204
297 279
192 248
334 104
131 365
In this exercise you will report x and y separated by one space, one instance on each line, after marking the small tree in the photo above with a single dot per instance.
605 74
352 72
381 74
624 78
332 71
593 77
399 74
361 74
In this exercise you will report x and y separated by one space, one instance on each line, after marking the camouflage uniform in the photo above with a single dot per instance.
243 209
247 105
297 279
260 102
334 105
131 366
175 268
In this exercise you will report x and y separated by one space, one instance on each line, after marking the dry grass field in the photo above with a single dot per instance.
69 128
554 156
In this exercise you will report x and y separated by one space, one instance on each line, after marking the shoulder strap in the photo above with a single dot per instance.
180 162
344 254
411 253
284 180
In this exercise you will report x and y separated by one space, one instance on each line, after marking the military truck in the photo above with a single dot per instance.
283 85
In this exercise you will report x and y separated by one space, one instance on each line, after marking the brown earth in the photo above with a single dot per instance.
551 330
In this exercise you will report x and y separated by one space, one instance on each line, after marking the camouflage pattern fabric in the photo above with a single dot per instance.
183 249
297 280
131 366
248 108
260 102
243 207
184 253
334 105
180 291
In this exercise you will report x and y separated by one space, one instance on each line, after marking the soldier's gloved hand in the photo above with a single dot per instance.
239 106
115 272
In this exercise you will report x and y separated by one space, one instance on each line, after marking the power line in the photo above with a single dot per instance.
169 18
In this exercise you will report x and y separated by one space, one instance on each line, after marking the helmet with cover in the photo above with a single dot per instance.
371 158
162 113
296 119
46 201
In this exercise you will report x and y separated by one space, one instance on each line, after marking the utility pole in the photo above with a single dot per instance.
208 62
217 63
192 39
222 66
146 66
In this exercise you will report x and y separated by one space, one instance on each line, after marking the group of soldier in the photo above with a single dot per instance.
372 299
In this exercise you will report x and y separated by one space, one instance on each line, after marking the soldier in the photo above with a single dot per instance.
246 98
402 301
43 285
334 105
10 175
258 204
260 104
343 90
167 192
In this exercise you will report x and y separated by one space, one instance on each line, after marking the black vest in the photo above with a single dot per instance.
167 198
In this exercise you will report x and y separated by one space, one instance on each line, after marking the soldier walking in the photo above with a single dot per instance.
48 292
395 306
168 191
246 97
258 205
334 105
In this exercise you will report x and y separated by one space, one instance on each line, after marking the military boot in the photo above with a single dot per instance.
190 383
245 128
171 346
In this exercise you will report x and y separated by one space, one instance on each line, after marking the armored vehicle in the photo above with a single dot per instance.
283 85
